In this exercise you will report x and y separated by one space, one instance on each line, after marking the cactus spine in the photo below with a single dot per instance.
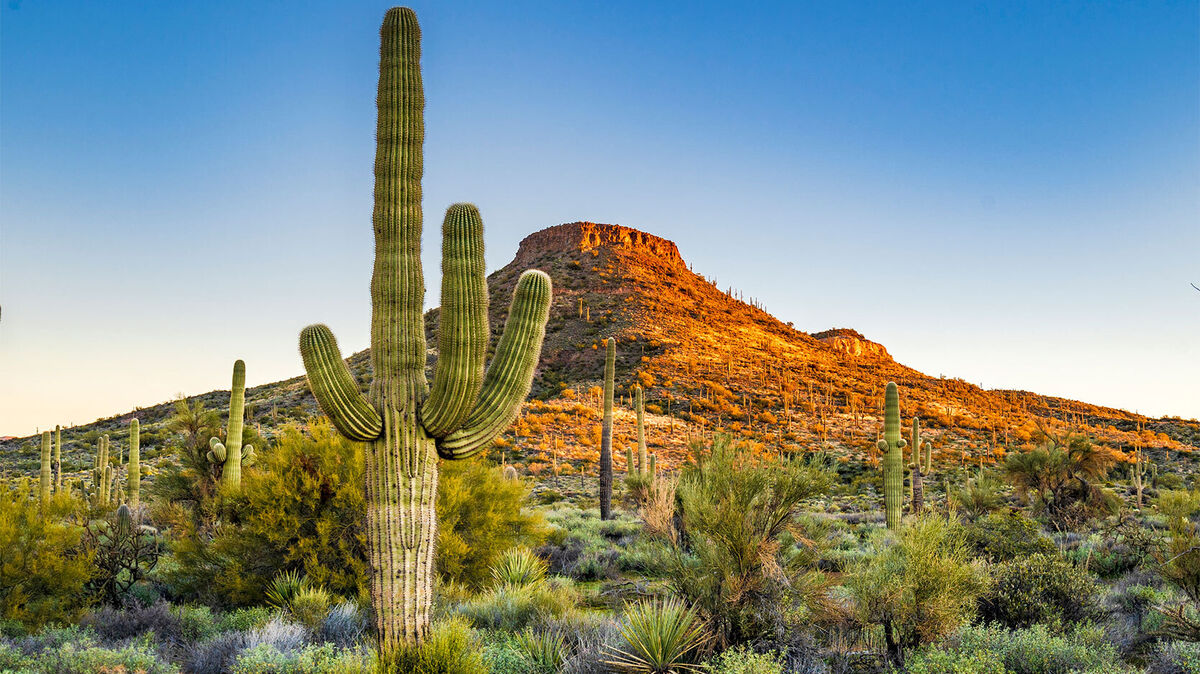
230 454
58 459
606 478
44 484
135 462
406 425
892 446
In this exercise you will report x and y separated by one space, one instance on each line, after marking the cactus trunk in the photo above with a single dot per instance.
406 430
892 446
58 459
44 481
135 462
606 477
642 462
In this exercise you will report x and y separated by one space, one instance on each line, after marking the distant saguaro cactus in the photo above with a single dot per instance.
45 480
920 451
58 459
406 425
892 446
606 476
230 454
135 462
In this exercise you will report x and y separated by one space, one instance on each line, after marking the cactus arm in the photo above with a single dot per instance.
463 332
216 450
334 387
511 371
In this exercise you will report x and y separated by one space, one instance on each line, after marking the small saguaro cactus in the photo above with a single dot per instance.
101 473
135 462
44 483
230 455
919 451
405 424
892 446
630 468
606 477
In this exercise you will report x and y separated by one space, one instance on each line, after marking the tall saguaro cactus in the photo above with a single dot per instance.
231 455
892 446
44 484
640 409
606 475
406 425
135 462
57 459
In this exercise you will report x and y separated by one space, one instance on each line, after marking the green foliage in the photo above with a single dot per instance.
76 651
954 661
513 608
918 588
1179 564
738 565
979 496
43 566
659 637
1035 650
310 605
480 516
741 660
1061 478
541 652
1004 536
519 567
303 512
450 648
124 550
1039 589
323 659
892 446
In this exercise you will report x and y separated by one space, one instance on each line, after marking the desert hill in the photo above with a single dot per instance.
708 360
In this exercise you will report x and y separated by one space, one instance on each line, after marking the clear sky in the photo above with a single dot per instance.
1005 191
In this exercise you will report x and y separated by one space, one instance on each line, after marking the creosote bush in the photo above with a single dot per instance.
1040 589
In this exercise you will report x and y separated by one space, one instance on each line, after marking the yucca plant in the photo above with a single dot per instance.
309 605
660 637
284 588
542 652
519 567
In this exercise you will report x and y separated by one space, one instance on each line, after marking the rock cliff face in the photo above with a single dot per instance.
587 236
852 343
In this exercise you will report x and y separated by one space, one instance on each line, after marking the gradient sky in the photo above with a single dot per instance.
1006 192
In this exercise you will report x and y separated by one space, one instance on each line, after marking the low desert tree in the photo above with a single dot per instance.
919 587
737 562
44 569
1062 477
1179 562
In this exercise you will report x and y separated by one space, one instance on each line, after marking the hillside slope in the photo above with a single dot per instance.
708 361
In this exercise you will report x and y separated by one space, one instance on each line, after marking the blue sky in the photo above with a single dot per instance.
1007 192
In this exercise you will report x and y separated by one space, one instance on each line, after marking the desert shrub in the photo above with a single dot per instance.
450 648
1061 478
76 651
1040 589
954 661
979 496
310 605
541 652
736 563
43 568
480 516
513 608
124 549
1179 564
1035 650
325 659
343 626
741 660
216 655
114 624
245 619
303 512
279 634
659 636
1171 657
1003 536
1120 546
918 588
645 558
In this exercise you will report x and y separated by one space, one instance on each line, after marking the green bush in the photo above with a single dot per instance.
43 569
518 567
513 608
661 637
741 660
1003 536
76 651
1036 650
954 661
450 648
480 516
324 659
1041 589
245 619
918 588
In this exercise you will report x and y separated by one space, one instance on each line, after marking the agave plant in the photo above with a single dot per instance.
519 567
660 637
285 586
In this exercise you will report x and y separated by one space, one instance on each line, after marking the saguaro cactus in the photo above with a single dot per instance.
231 455
135 462
606 476
920 452
57 459
406 426
639 406
44 485
102 474
892 446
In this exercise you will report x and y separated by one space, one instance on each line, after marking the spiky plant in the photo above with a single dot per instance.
606 476
405 424
892 446
135 463
230 455
542 652
519 567
44 481
660 637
